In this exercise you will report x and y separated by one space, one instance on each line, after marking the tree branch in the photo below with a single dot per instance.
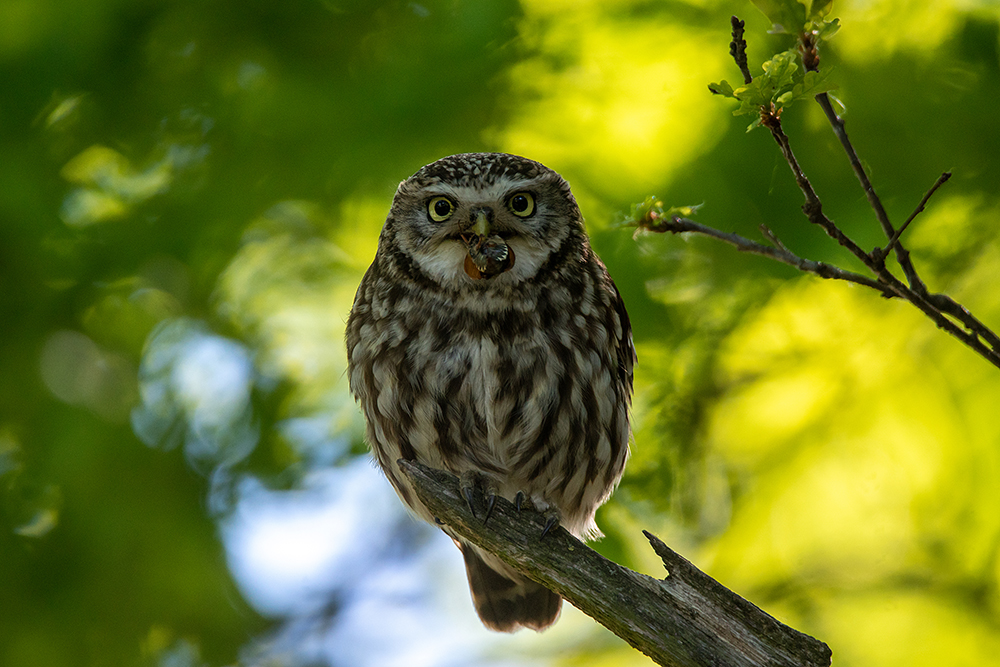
946 313
809 50
938 307
935 306
738 48
685 620
902 254
679 225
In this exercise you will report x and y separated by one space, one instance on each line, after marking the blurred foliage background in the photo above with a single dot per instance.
190 192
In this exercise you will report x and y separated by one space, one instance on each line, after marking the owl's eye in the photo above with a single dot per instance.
440 209
522 204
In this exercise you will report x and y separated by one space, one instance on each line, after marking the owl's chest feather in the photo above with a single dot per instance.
473 400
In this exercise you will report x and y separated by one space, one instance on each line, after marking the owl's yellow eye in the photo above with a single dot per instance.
521 204
440 209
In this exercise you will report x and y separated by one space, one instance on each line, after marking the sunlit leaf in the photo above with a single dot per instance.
722 88
781 69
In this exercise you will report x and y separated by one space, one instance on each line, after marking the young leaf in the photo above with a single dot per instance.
651 209
788 16
722 88
814 83
828 29
817 9
754 95
781 69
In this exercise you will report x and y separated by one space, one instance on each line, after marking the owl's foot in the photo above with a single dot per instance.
469 481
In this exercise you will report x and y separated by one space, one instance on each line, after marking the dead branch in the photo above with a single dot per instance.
685 620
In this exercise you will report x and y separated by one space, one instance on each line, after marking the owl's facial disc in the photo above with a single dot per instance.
489 255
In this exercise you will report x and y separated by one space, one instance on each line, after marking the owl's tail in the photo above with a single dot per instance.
505 600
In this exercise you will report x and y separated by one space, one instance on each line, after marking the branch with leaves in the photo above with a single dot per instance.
685 620
788 77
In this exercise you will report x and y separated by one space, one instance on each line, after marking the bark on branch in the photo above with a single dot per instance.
685 620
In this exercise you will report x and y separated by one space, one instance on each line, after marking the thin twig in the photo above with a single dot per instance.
946 304
902 254
942 179
809 50
935 306
773 238
813 208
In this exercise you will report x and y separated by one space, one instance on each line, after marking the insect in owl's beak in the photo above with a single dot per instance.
489 255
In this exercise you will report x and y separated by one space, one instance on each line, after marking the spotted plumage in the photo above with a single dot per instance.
487 339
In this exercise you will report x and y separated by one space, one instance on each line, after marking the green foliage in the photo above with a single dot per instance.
652 209
811 85
782 83
784 80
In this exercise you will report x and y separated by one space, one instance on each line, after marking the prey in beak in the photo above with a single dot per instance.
489 254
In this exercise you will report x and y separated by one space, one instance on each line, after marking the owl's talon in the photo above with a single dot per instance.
551 520
518 499
469 495
491 500
471 480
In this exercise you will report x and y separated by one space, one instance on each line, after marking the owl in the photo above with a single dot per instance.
488 339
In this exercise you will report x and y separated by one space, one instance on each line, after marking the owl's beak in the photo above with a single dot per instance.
481 227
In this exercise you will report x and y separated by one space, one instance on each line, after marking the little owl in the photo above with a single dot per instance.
488 339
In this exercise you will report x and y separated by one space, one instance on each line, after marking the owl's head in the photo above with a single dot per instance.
482 219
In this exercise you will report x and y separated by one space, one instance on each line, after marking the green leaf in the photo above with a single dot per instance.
817 10
781 69
756 92
651 209
683 211
812 84
788 16
828 29
722 88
